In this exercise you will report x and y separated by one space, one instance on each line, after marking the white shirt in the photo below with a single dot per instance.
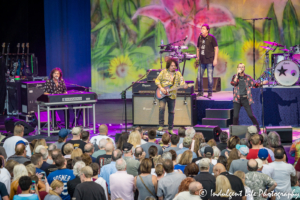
268 169
96 139
102 182
10 144
186 196
122 185
143 141
5 178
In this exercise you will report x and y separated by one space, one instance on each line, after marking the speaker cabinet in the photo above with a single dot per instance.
11 122
30 91
285 132
209 131
146 110
238 130
216 85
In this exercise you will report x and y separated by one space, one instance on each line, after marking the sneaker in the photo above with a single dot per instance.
171 132
209 95
200 94
160 128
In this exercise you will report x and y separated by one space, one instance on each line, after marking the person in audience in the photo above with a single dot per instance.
139 153
241 163
187 142
174 155
189 132
25 184
39 142
45 155
20 153
62 137
232 142
143 137
63 174
42 192
57 187
275 142
146 183
198 140
242 176
10 143
259 164
251 130
191 170
101 148
51 148
3 192
73 183
122 139
106 158
207 180
208 152
151 142
257 181
88 189
37 160
295 187
76 153
223 184
122 184
166 155
212 143
216 154
282 172
55 153
159 171
132 165
95 140
134 139
267 169
264 142
244 141
76 139
110 168
99 180
233 155
223 140
85 136
184 185
5 174
181 134
193 193
18 171
89 149
174 141
168 185
86 158
235 182
255 142
152 151
185 159
222 160
68 149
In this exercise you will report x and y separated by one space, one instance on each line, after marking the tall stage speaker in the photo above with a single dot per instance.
30 91
238 130
209 131
145 110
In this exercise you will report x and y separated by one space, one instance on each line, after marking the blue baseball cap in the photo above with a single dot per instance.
64 132
243 149
21 142
263 154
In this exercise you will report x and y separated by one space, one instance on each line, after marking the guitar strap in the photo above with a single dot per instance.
174 78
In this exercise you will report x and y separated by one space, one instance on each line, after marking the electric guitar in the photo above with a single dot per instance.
27 71
7 57
21 66
16 64
159 94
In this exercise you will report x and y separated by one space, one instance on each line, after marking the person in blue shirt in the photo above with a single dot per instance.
62 174
28 188
37 160
187 143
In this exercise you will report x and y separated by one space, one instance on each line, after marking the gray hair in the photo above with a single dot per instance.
52 147
217 152
167 155
120 164
244 141
274 139
102 143
266 141
88 147
77 167
44 153
38 148
190 132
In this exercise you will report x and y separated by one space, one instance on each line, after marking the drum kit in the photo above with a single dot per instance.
284 69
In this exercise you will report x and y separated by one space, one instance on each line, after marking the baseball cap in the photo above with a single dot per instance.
127 147
263 154
252 129
187 141
64 132
76 130
21 142
243 149
209 149
259 162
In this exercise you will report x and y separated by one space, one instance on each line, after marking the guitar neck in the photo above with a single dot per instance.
176 88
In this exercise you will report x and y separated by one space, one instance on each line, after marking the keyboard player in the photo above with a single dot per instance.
56 85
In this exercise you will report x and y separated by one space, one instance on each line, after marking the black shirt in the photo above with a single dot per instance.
50 169
76 143
103 160
50 87
89 190
208 182
236 183
72 185
222 146
242 86
3 190
206 47
45 166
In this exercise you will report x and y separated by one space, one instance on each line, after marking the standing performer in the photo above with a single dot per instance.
168 77
207 54
242 94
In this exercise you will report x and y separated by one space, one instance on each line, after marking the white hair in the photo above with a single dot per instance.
38 148
44 153
102 143
77 167
121 164
52 147
190 132
19 171
217 152
167 155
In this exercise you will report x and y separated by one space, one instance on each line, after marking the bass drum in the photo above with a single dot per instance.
286 73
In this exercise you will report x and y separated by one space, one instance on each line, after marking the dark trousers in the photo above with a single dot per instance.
171 108
210 72
236 111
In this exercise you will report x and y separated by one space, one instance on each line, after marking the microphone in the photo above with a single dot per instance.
185 38
268 18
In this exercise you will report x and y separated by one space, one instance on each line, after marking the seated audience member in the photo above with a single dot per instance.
10 143
231 143
275 142
241 163
20 153
242 176
139 153
258 181
62 138
18 171
151 142
159 171
223 140
185 159
146 183
295 187
174 155
3 192
134 139
107 157
174 141
86 158
76 139
184 185
191 170
63 174
264 144
89 149
267 169
187 142
73 183
168 185
121 183
37 160
101 148
95 140
181 134
57 187
85 136
55 153
189 132
68 150
165 139
5 175
99 180
253 152
282 172
207 180
193 192
132 165
223 184
88 189
110 168
25 183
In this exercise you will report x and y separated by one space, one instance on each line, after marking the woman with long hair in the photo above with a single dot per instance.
223 190
135 139
184 160
153 151
19 171
231 143
198 140
184 185
233 155
248 192
56 189
122 140
76 153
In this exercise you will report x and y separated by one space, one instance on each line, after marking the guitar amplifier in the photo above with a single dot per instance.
188 91
153 74
144 87
30 91
216 85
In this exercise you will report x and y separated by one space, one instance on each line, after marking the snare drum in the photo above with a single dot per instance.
290 75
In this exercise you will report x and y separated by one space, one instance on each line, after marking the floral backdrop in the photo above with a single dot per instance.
125 35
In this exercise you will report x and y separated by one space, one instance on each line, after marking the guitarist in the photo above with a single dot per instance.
168 77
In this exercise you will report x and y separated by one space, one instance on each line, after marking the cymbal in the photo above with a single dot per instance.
268 48
284 50
273 44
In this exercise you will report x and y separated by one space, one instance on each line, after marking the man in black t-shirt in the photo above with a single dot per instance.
207 54
106 158
3 192
76 141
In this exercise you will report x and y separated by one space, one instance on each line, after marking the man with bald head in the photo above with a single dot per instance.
236 183
89 149
20 153
194 192
106 158
103 130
